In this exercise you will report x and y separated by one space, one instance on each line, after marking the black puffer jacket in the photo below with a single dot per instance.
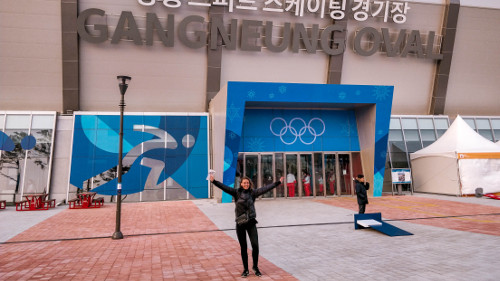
361 189
244 199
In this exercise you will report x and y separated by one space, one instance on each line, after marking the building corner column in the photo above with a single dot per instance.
214 60
335 63
70 57
449 30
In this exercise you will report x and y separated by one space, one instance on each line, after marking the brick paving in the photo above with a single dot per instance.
453 215
301 239
317 241
163 241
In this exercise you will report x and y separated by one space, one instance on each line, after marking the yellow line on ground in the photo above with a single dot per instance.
412 209
434 214
414 202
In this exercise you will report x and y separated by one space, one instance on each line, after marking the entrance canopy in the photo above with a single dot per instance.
371 106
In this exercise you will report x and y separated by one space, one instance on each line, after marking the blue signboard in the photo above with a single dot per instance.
401 176
299 130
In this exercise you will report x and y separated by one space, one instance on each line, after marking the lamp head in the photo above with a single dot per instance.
123 83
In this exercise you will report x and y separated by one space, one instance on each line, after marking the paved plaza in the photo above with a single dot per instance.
300 239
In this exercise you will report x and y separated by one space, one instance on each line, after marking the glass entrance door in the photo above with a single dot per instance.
252 168
345 179
291 169
279 172
305 175
260 168
319 186
266 173
331 174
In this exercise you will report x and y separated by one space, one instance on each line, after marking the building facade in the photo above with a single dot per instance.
59 61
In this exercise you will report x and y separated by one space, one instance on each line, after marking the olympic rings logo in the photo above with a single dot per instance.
301 132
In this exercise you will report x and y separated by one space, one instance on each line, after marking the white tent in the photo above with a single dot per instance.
457 163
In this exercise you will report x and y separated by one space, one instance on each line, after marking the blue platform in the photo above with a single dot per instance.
374 220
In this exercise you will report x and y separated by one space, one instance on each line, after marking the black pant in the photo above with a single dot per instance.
362 208
241 231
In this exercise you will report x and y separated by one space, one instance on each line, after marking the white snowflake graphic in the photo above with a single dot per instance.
381 93
232 135
358 93
233 112
383 155
345 130
228 158
342 95
255 144
353 127
251 94
282 89
272 95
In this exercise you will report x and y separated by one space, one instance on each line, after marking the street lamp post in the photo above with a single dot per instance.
123 88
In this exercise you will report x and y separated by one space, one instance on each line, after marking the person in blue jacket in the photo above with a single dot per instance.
244 198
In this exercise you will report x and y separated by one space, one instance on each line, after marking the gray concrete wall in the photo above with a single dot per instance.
164 79
267 66
412 77
475 69
61 159
174 79
30 55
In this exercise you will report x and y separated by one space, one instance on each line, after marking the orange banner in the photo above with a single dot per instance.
479 155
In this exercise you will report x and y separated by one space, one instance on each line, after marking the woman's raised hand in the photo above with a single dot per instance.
212 178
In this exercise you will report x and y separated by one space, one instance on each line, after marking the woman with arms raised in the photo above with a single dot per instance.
244 198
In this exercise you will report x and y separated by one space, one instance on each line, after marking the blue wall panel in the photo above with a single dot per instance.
95 151
299 130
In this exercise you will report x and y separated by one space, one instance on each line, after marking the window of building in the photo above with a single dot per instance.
411 134
488 127
442 124
408 134
25 166
427 131
471 122
397 147
484 128
495 125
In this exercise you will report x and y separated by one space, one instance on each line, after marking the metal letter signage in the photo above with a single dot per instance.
255 35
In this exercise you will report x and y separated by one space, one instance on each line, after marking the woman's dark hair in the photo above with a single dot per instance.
246 178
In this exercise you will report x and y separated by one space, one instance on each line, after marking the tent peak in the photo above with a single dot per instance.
459 138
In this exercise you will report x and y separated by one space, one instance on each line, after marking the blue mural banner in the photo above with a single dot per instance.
155 148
